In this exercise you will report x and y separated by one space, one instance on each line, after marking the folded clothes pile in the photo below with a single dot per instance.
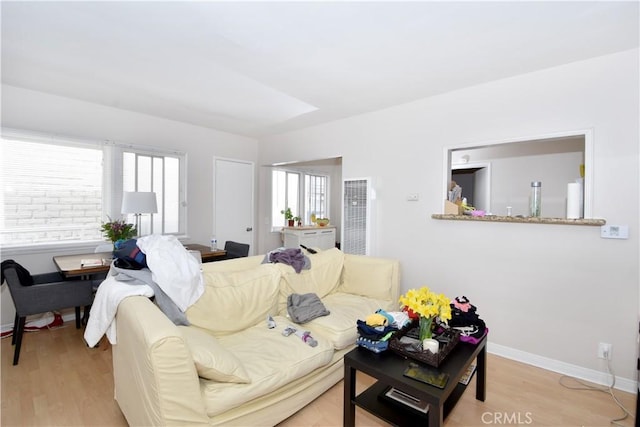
464 318
374 332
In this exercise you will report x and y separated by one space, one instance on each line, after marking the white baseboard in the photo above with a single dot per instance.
591 375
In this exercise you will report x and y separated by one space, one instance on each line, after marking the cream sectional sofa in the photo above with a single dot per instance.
228 367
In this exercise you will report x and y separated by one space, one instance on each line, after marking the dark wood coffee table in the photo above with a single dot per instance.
387 367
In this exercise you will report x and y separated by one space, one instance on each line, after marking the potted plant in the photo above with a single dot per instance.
116 230
298 220
288 216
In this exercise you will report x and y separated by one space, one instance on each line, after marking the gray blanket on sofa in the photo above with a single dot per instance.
162 300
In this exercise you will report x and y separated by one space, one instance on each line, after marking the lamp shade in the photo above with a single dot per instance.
139 202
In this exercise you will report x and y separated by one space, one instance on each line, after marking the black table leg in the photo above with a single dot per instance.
349 415
436 415
481 379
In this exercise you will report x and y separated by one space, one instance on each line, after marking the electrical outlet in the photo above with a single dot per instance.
604 351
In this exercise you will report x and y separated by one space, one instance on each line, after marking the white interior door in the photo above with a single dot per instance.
233 201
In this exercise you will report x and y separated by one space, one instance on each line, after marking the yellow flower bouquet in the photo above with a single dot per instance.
425 305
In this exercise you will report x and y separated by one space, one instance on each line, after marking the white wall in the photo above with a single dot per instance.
550 291
511 182
37 111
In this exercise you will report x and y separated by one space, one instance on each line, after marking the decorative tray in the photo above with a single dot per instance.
448 339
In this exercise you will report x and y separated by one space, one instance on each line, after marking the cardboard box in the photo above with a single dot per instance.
451 208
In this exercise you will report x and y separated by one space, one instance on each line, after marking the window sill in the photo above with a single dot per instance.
522 220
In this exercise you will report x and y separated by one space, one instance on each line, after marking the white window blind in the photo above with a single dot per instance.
52 191
58 189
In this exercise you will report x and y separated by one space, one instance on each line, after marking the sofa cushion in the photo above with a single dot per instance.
368 276
322 278
271 360
340 327
212 360
233 301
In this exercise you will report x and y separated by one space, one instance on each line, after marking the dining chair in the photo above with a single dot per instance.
49 292
235 249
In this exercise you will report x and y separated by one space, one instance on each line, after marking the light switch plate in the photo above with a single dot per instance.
614 231
412 197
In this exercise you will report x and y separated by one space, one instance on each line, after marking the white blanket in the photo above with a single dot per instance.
105 305
175 271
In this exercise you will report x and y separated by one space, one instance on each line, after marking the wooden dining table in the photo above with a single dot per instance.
72 265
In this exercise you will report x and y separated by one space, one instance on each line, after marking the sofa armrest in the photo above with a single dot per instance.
155 378
377 278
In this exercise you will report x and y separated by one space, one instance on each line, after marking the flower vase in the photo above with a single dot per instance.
428 343
426 324
117 244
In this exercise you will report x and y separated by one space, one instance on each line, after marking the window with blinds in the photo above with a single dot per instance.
51 192
57 189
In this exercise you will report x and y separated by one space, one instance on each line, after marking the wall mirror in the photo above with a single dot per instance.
496 177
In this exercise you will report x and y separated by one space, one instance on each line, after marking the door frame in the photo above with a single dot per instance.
484 185
253 197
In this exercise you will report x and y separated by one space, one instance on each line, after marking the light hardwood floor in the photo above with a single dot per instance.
61 382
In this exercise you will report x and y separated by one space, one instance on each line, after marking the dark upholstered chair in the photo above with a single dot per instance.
49 292
235 249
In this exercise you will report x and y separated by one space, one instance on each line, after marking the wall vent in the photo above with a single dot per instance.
355 219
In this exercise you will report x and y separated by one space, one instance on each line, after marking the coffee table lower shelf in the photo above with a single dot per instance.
373 401
387 370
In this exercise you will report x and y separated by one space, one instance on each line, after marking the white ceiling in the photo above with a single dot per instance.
259 68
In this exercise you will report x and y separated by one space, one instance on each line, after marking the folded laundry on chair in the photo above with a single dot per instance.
306 307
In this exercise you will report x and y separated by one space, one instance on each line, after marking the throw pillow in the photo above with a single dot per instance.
213 361
368 276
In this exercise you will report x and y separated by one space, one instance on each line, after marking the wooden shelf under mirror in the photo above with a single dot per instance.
522 220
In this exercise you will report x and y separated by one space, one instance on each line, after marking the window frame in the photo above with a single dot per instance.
301 196
112 184
154 154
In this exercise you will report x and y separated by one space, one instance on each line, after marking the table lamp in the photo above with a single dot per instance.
138 203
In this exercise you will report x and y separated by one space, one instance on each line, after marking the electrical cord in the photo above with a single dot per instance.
608 390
